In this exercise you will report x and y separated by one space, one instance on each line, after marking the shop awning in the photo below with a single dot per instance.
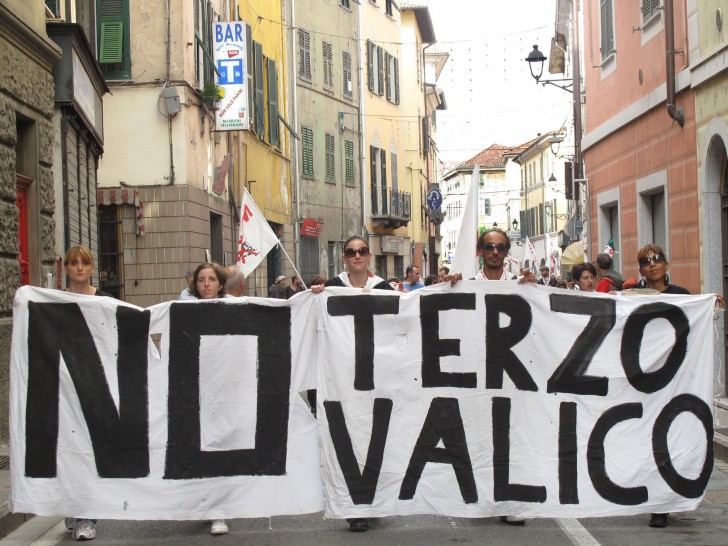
124 196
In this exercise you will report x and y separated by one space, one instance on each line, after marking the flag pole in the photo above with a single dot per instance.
292 264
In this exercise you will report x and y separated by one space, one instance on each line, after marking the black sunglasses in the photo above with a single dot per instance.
645 261
351 252
490 247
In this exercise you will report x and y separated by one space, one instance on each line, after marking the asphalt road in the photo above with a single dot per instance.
706 526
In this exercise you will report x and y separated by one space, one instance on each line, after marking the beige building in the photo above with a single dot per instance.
327 176
387 197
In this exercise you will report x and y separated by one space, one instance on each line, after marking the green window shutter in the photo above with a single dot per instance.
370 65
380 71
307 151
259 90
388 75
349 162
346 62
273 133
396 80
330 159
112 36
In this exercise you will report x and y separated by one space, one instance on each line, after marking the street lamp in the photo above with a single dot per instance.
535 60
515 225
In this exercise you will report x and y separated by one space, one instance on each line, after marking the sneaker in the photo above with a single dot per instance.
513 520
358 525
658 520
84 529
219 527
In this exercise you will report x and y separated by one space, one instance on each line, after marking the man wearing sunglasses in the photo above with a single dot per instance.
494 246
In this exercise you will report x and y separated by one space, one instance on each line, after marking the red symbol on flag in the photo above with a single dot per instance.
245 250
247 213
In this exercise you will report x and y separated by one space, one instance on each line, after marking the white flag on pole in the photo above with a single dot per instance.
256 237
529 254
465 260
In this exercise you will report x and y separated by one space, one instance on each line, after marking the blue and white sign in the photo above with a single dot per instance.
231 61
434 199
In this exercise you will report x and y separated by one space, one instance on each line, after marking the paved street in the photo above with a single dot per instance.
706 526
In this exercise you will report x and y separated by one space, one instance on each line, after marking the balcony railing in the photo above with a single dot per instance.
391 206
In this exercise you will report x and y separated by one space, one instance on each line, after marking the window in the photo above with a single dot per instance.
378 178
349 162
395 177
380 71
309 258
304 55
258 82
216 237
22 183
381 262
607 20
332 261
375 68
346 69
388 7
274 136
330 159
652 214
345 4
111 252
307 151
608 216
328 65
112 28
392 78
486 206
650 9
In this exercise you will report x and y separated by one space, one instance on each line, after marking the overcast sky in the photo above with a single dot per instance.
491 96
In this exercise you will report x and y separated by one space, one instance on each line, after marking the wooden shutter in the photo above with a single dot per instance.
383 161
304 54
307 150
349 161
259 90
328 64
380 71
373 179
370 65
388 75
607 42
273 133
396 80
346 62
112 36
330 160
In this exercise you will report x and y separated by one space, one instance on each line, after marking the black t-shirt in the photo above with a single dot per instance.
675 289
336 281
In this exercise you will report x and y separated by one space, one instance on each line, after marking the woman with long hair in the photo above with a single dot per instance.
356 260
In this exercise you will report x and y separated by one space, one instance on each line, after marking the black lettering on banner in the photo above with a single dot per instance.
120 438
568 450
596 461
443 423
503 490
434 348
362 485
634 329
499 341
683 486
187 324
569 376
363 309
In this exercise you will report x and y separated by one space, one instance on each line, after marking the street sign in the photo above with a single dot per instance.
231 62
434 199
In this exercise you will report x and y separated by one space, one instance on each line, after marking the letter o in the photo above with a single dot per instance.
683 486
634 329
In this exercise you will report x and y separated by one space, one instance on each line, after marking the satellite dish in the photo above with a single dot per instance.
574 228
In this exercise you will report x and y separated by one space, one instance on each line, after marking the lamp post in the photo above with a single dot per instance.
536 59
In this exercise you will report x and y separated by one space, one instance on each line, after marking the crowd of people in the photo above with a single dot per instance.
211 281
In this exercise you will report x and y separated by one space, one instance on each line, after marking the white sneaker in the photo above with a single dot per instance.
84 529
513 520
219 527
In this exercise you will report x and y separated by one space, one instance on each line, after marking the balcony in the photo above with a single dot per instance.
391 208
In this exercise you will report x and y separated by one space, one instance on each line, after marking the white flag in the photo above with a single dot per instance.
529 253
465 260
256 236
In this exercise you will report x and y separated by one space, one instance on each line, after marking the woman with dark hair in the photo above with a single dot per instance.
357 275
585 276
654 266
318 280
208 282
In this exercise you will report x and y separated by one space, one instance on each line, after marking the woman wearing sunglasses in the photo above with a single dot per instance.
653 268
357 275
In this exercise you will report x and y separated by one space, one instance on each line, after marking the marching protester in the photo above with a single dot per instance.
412 279
443 272
295 287
235 284
208 283
609 279
547 279
79 264
561 283
186 294
431 279
585 277
278 289
356 261
317 280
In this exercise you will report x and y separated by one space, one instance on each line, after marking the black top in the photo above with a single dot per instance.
100 292
675 289
336 281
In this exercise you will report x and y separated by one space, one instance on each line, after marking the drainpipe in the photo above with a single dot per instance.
678 114
294 142
362 126
168 53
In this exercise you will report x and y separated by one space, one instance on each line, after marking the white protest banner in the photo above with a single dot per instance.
256 237
495 398
211 425
488 398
